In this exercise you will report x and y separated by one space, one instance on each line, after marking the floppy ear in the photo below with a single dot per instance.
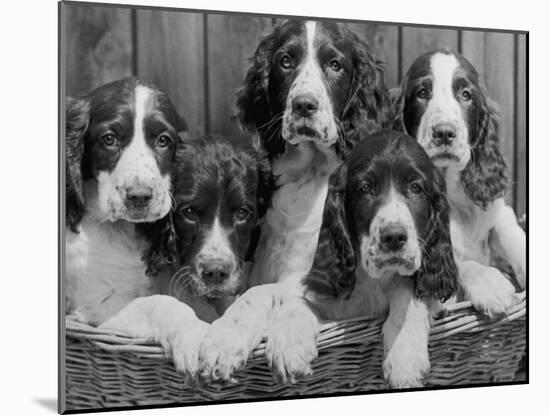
438 273
266 187
76 124
253 109
397 97
333 270
367 107
163 249
485 178
266 183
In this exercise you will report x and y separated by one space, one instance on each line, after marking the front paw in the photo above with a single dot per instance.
406 370
223 350
290 351
491 293
183 348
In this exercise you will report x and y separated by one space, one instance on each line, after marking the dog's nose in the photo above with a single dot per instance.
305 105
139 196
216 272
393 237
443 134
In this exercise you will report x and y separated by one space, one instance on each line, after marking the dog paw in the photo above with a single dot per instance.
290 351
406 370
491 293
223 350
183 348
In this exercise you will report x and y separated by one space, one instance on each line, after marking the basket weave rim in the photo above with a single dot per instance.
456 318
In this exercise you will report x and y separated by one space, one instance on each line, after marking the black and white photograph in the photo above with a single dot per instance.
261 207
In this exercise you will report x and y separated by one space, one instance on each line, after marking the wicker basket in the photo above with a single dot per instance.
105 370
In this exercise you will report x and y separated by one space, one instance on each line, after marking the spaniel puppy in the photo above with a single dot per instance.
221 190
384 245
120 144
197 253
312 90
443 105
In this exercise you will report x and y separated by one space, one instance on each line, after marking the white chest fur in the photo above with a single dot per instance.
470 224
104 270
291 229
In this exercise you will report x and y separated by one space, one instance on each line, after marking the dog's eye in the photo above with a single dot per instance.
242 214
189 213
415 187
109 140
335 65
366 187
163 141
286 61
422 93
466 95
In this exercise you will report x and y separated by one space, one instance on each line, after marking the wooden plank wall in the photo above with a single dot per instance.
99 46
200 60
170 53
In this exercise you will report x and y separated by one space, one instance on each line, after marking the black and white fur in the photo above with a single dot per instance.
312 90
120 146
385 245
221 189
442 103
198 252
121 141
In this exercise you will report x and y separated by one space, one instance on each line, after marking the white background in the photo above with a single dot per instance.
28 232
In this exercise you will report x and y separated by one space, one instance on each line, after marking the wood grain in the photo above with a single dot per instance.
231 41
170 53
98 46
418 40
384 44
493 56
521 126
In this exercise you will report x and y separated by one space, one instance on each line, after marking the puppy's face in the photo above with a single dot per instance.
129 150
386 212
442 107
390 196
216 209
310 79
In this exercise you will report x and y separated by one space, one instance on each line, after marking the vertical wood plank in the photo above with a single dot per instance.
418 40
521 126
493 56
170 53
98 46
231 41
383 42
